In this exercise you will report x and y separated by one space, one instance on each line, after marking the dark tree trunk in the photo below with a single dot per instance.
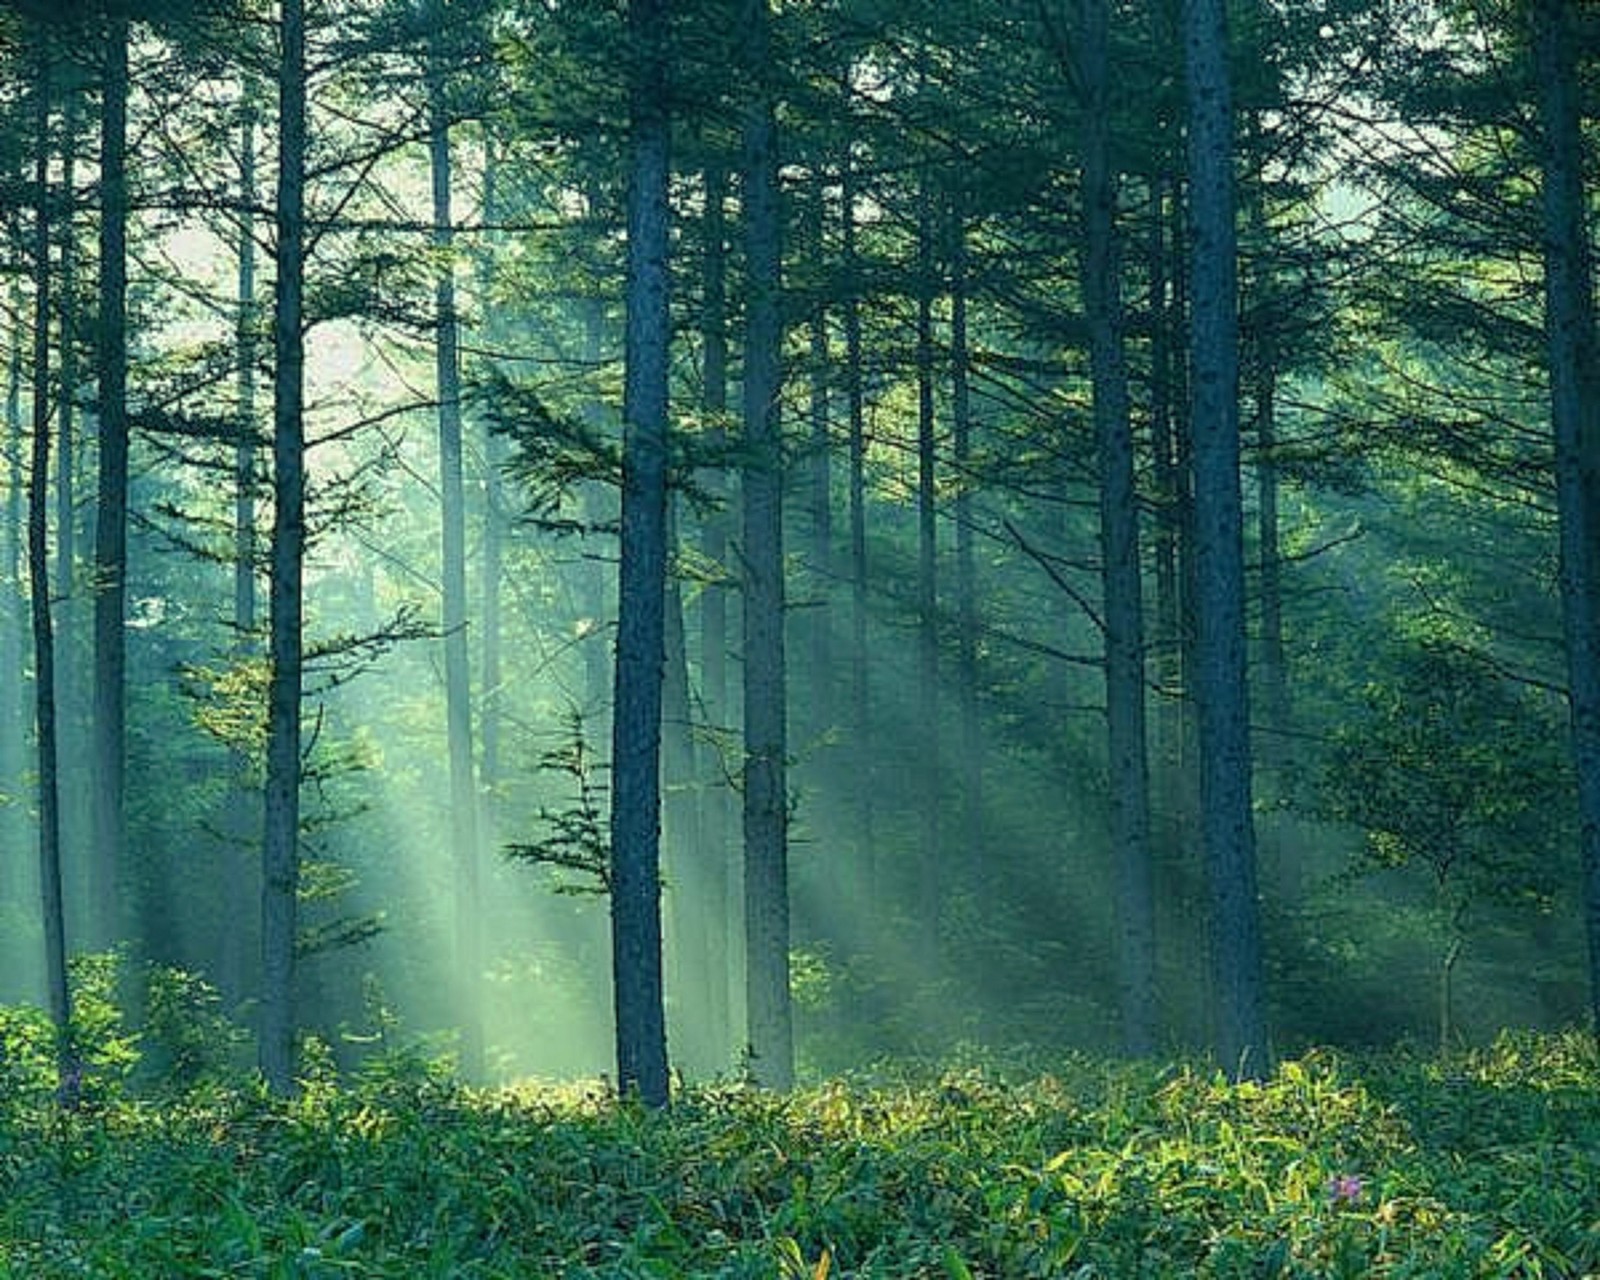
636 715
112 879
1575 417
281 828
766 866
1219 678
1119 547
453 572
58 992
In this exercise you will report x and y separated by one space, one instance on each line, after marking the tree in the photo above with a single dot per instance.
453 551
1449 769
59 993
111 510
766 806
1219 679
641 602
281 831
1123 620
1574 356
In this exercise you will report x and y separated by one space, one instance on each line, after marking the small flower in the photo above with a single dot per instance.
1344 1188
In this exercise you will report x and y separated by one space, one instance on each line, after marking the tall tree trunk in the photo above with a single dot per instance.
494 528
66 408
54 914
716 824
973 856
820 682
453 571
1575 418
692 910
1122 583
636 715
13 627
241 886
861 729
113 879
928 762
766 865
281 827
1220 683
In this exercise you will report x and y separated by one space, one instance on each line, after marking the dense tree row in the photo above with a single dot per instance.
1070 524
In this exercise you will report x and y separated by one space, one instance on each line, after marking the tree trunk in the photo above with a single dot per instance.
972 852
58 992
1119 548
281 827
13 627
1575 418
722 882
927 764
113 880
766 874
453 572
1220 683
636 715
861 727
241 885
820 683
494 530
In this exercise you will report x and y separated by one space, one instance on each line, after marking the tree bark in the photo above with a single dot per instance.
113 880
281 827
861 726
13 627
716 817
636 715
1122 583
972 851
240 886
453 571
766 874
1220 681
927 765
58 992
1575 419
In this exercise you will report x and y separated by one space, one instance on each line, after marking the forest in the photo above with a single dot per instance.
683 553
1033 615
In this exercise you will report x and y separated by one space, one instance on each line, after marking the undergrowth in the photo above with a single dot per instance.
1487 1165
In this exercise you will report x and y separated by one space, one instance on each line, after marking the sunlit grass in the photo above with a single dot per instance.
1398 1166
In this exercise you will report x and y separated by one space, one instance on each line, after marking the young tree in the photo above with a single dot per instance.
636 717
1219 679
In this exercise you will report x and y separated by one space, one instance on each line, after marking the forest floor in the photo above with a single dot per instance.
1395 1165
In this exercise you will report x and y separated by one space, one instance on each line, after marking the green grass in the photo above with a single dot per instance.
1488 1165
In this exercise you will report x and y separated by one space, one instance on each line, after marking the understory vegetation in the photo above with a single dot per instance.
1485 1163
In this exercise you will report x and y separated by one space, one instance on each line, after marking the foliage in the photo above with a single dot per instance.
1389 1166
577 838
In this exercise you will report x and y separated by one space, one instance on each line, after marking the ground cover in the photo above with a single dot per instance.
1485 1165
